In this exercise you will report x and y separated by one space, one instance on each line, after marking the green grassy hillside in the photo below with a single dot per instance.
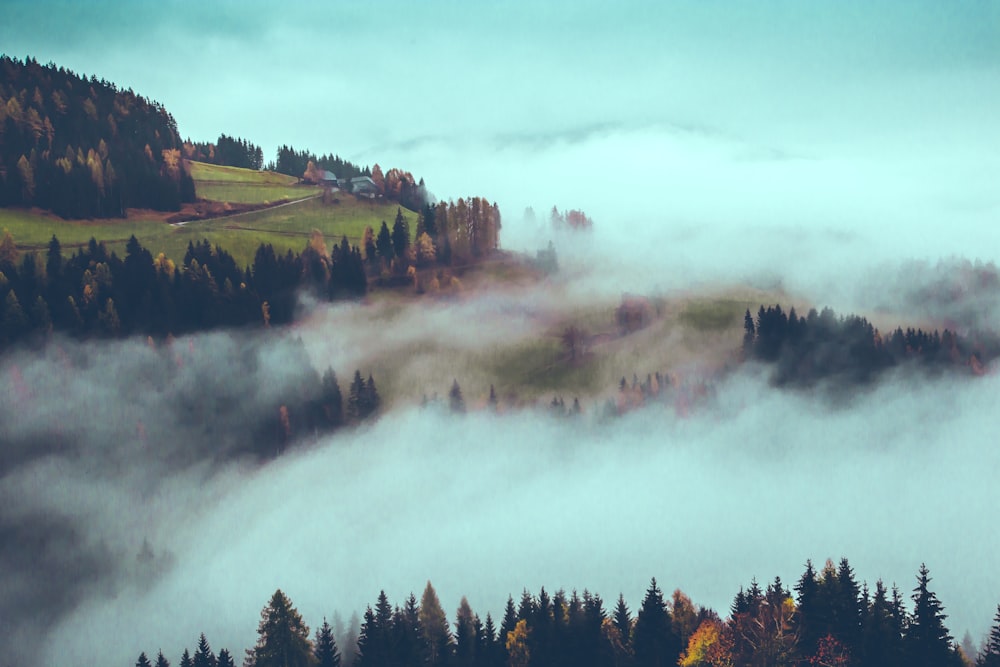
245 186
286 227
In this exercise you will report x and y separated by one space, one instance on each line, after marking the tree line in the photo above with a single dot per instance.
822 346
292 162
94 293
830 620
83 148
226 151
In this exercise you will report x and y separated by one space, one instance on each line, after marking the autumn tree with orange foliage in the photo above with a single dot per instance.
711 645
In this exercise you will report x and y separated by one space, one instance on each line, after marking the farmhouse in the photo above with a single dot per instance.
364 186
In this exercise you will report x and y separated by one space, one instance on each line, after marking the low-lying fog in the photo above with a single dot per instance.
750 485
821 153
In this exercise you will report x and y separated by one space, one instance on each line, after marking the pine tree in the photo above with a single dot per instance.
507 624
654 641
383 243
623 620
455 401
749 334
325 647
356 398
400 234
990 654
283 638
408 638
807 589
848 610
927 641
225 659
203 656
881 640
143 661
372 401
162 661
186 659
332 399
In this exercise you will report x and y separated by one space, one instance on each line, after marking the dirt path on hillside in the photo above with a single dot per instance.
182 223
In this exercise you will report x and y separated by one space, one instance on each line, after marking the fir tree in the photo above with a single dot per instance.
283 638
990 654
161 661
927 641
654 642
455 401
325 647
332 399
623 620
383 243
203 656
143 661
225 659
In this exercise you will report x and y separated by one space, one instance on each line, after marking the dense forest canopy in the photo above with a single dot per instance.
83 147
828 618
226 151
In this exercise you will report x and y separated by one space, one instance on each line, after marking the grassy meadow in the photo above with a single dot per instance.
286 227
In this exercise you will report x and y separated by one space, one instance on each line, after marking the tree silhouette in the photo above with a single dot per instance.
282 636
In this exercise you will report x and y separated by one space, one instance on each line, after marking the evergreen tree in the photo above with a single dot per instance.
372 401
400 234
623 620
408 639
283 638
927 641
881 640
383 243
332 400
143 661
989 656
847 611
225 659
356 408
749 334
654 642
455 401
186 659
808 624
507 624
161 661
203 656
325 647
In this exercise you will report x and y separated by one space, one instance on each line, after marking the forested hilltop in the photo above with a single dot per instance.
83 148
830 620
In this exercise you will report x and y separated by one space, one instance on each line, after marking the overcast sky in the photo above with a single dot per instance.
827 148
846 134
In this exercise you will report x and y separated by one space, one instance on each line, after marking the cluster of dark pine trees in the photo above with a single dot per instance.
94 293
83 148
822 346
226 151
830 621
293 162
